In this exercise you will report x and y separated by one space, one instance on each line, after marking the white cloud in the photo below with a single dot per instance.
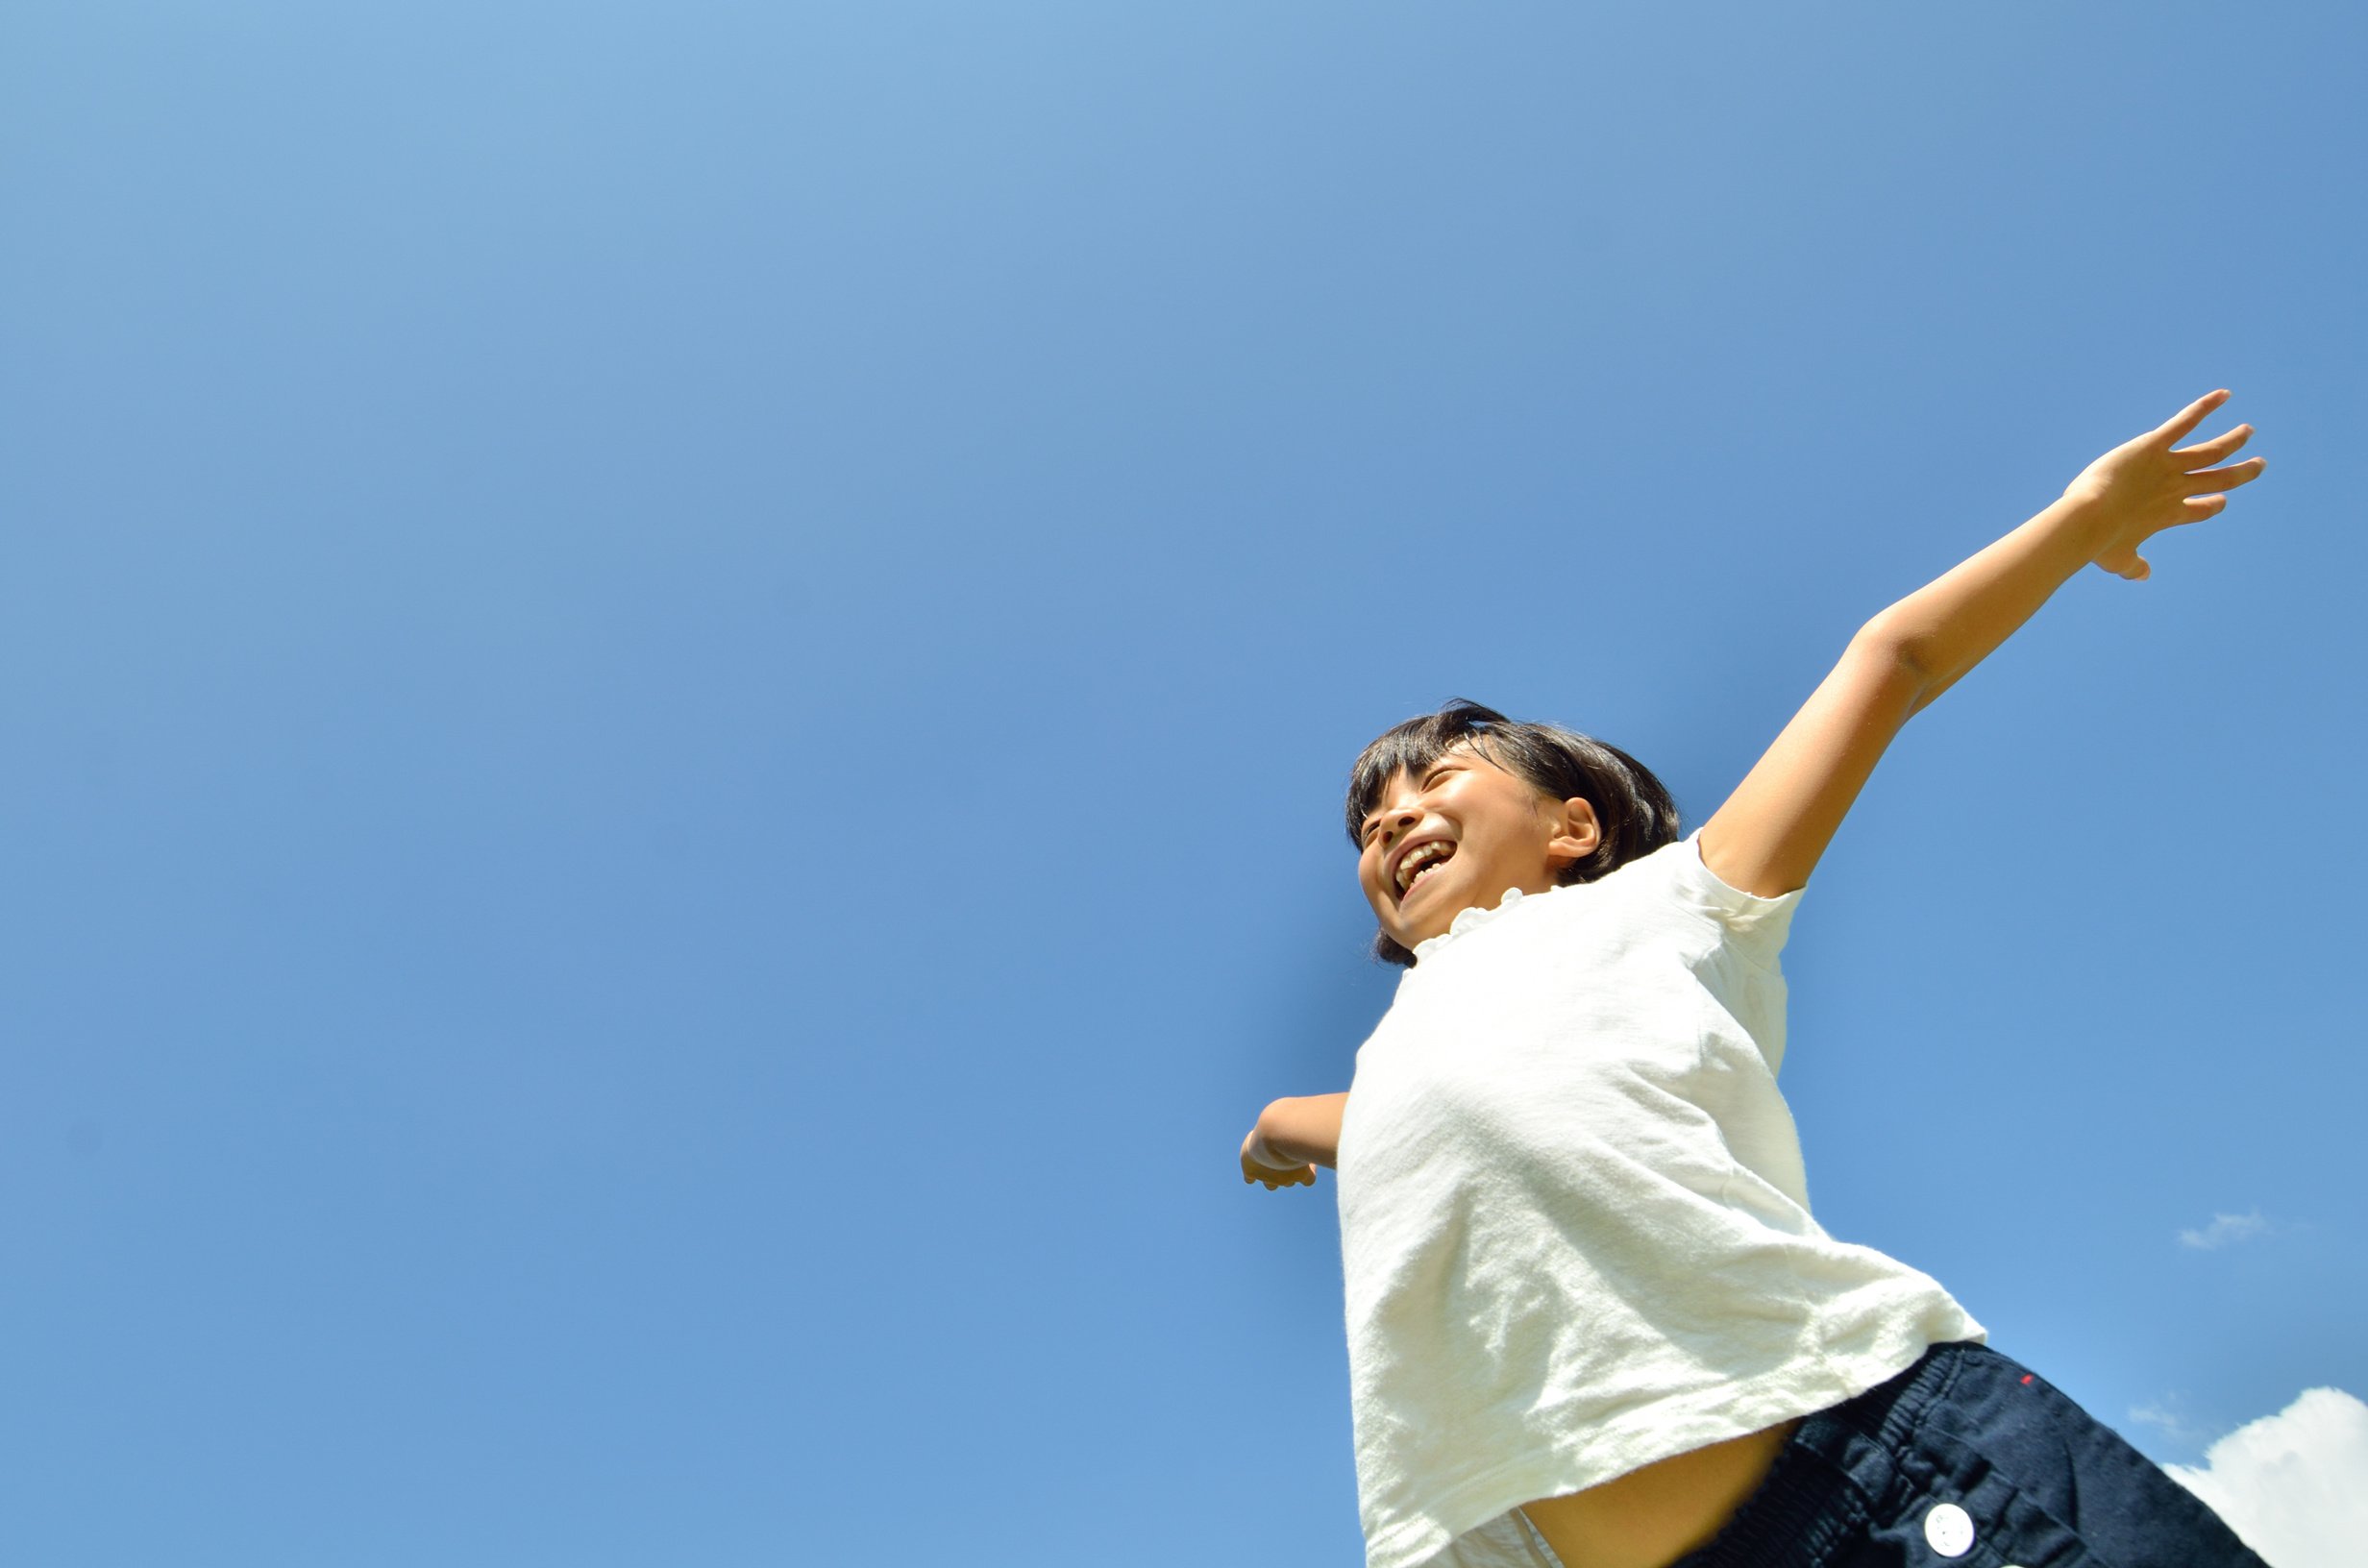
2294 1485
2224 1228
2169 1419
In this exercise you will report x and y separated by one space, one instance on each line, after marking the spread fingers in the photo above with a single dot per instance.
2189 417
2226 478
2214 449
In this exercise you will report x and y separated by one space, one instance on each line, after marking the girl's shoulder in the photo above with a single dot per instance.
1673 878
1756 923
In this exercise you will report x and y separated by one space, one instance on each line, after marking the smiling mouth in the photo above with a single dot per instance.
1422 860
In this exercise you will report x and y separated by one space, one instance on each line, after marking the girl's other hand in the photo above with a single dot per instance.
2147 484
1256 1165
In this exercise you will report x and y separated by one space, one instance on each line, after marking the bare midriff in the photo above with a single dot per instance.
1651 1517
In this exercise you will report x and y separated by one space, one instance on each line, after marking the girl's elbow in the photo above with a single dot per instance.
1898 651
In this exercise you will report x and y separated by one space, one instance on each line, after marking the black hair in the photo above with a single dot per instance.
1633 808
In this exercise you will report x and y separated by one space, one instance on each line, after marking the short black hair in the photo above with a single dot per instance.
1632 807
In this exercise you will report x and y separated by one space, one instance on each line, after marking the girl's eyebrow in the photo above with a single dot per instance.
1364 828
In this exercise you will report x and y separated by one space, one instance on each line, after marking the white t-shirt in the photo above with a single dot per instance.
1574 1225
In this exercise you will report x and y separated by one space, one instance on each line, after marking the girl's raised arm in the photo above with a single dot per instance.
1770 834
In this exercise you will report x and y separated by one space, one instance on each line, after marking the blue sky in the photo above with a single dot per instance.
677 678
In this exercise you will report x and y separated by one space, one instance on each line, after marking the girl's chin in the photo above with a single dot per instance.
1425 922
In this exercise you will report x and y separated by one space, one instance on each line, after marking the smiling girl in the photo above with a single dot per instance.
1592 1323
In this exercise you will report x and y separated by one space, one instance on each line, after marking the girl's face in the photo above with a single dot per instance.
1461 835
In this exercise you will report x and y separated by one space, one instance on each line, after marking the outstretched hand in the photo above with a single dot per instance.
2148 484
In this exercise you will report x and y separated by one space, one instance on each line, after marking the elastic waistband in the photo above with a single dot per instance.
1833 1473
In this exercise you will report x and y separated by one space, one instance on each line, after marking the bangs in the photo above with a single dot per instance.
1411 747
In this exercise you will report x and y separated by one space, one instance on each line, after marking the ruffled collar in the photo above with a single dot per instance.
1467 921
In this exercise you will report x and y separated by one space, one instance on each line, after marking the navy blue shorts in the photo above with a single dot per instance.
1967 1461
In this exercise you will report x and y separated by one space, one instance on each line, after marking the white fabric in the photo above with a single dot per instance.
1574 1225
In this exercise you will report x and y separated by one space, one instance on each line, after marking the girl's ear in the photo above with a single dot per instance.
1577 832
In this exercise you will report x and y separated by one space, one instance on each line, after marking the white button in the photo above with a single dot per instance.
1949 1528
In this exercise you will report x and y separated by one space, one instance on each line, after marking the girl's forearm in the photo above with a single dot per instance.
1954 623
1306 1130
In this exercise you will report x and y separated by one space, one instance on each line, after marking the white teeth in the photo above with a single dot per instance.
1419 861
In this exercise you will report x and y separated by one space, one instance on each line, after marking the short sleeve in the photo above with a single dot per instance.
1755 925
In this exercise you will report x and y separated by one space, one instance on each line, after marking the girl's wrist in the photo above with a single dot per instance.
2086 522
1263 1152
